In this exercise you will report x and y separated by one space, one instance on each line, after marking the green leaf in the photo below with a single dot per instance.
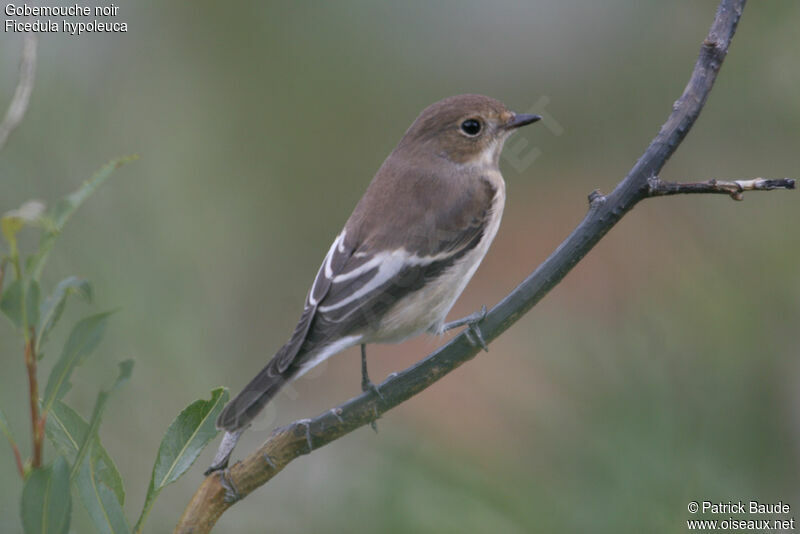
186 437
46 502
56 218
104 509
53 306
82 340
66 430
125 370
101 503
32 297
11 303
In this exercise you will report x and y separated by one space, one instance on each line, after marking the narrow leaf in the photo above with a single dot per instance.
32 297
102 505
11 303
66 430
82 340
46 502
53 306
56 218
125 370
104 509
186 437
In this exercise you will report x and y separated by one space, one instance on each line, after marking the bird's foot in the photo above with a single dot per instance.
307 423
224 452
368 385
471 321
226 481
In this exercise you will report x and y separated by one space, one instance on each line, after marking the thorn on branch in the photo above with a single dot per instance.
596 197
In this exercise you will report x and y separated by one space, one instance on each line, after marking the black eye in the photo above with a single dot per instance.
471 127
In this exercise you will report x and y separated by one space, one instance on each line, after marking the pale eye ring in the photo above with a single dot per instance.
471 127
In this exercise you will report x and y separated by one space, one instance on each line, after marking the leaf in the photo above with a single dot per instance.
125 370
53 306
104 509
66 430
32 297
102 505
46 502
11 303
186 437
82 340
56 218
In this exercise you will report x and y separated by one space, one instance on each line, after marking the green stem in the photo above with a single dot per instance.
148 505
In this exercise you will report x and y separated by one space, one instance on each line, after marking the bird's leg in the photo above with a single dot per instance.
224 452
366 383
471 321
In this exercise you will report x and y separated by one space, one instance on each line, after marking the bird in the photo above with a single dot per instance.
405 254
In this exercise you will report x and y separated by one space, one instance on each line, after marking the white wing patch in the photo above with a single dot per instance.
387 265
325 269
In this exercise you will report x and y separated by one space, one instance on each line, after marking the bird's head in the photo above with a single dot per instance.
464 129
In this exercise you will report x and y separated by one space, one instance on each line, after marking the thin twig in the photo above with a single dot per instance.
18 460
22 95
734 188
289 442
37 422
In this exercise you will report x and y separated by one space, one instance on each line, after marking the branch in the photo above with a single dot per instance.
37 422
659 188
219 491
22 95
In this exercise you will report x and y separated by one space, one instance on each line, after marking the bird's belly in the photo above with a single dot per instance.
426 309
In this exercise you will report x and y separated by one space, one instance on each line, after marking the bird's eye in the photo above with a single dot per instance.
471 127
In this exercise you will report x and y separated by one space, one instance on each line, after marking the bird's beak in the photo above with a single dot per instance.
521 119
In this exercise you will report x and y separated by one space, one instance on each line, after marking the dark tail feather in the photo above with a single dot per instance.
255 395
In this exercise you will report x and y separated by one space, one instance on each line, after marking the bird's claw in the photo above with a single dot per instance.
471 321
307 424
368 385
473 328
226 481
224 452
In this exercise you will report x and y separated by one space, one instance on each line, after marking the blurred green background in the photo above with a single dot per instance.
664 369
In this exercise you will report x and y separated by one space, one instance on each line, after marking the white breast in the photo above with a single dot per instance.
426 309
